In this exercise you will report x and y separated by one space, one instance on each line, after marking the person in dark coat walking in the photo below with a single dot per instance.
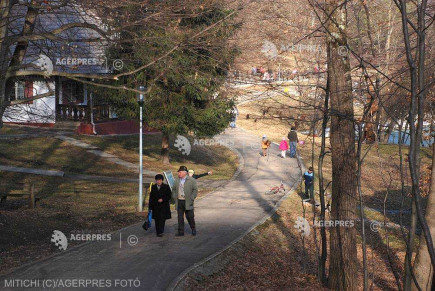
293 141
159 204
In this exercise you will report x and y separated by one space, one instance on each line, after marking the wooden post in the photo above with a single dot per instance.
32 196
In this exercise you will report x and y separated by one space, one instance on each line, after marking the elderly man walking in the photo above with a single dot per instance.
184 194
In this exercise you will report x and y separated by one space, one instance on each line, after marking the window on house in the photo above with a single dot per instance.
19 90
24 90
72 92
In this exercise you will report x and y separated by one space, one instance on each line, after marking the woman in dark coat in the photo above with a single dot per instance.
159 203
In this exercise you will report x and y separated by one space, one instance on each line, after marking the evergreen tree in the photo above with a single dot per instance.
183 93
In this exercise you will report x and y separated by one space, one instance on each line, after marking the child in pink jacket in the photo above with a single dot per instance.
283 146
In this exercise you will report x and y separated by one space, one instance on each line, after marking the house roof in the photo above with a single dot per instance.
71 51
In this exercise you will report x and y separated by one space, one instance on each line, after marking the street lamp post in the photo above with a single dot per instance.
140 101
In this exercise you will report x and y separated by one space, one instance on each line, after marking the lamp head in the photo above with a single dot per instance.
140 96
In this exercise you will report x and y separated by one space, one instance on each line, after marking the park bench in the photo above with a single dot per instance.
20 190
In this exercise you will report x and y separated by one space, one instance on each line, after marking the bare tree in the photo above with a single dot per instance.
418 88
424 271
343 260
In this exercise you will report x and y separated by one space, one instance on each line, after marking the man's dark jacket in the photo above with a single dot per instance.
197 176
293 136
160 209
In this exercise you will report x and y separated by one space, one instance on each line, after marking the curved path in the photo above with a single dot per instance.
221 217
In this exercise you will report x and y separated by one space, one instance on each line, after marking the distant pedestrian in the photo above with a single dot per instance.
234 114
197 176
293 141
265 144
266 76
160 196
184 193
309 183
283 146
253 71
262 70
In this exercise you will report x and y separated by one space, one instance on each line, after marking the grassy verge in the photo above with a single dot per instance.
220 159
9 130
53 154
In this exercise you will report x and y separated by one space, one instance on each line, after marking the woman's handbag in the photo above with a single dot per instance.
147 224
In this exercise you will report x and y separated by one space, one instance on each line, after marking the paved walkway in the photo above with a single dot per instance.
221 216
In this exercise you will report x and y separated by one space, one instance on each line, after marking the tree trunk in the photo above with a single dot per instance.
165 149
324 254
409 272
21 47
5 8
423 268
416 111
19 51
343 263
